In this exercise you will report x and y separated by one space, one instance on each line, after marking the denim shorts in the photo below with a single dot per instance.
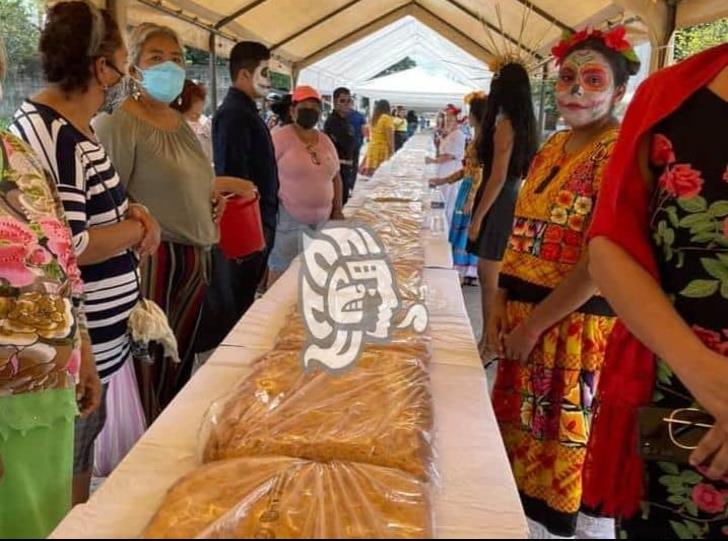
288 243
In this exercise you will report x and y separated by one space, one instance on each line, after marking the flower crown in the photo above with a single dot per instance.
452 109
613 39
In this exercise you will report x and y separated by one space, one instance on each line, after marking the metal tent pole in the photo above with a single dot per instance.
542 100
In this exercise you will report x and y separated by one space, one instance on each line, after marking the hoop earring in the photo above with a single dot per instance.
136 92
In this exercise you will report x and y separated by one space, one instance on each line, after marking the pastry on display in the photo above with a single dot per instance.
379 412
288 498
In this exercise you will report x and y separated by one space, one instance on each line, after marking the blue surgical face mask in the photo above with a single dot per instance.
163 82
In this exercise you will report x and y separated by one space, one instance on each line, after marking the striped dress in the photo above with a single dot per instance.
92 196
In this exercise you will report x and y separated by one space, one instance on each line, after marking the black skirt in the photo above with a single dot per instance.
498 223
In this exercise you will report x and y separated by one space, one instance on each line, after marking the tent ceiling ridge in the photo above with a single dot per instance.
457 31
314 24
403 10
494 28
239 13
191 19
546 15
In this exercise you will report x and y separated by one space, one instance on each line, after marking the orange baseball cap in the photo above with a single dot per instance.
304 92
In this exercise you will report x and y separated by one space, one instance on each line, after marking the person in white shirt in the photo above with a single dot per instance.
450 157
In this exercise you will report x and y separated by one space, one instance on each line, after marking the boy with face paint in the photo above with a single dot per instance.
550 325
242 148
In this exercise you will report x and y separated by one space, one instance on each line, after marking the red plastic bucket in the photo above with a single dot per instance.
241 229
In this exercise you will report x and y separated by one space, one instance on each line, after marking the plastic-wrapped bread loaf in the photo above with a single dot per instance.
379 412
287 498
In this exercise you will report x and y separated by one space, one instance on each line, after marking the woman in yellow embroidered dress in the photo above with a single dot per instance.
549 325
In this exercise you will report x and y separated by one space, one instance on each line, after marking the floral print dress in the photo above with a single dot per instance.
689 156
40 333
40 283
544 406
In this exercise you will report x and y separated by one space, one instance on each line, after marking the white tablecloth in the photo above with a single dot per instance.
476 495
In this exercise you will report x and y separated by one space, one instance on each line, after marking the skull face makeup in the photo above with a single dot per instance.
585 88
261 79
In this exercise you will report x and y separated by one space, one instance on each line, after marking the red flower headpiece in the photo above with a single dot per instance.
452 109
614 39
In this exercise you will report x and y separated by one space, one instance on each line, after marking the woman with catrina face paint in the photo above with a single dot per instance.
549 324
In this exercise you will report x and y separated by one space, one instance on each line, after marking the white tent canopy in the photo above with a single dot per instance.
415 87
407 37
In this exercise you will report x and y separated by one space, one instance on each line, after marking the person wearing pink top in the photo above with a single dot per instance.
310 190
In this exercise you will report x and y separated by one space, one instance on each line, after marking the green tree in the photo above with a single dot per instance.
198 57
692 40
20 32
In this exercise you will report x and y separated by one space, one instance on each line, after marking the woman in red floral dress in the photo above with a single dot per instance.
661 257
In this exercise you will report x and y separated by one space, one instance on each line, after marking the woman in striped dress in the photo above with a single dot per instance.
83 56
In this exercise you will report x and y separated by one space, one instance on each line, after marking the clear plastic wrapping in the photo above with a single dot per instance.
380 412
407 216
287 498
408 274
405 341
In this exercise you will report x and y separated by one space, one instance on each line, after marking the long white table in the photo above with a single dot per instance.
476 496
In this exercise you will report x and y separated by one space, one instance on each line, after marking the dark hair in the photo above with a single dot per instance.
622 68
247 55
341 90
74 36
477 108
382 107
282 109
510 95
411 116
191 93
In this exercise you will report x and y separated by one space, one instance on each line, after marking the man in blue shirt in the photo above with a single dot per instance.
359 122
242 148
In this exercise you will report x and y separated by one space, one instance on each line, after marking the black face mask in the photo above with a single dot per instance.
307 118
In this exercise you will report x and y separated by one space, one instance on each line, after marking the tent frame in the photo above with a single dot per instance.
661 18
